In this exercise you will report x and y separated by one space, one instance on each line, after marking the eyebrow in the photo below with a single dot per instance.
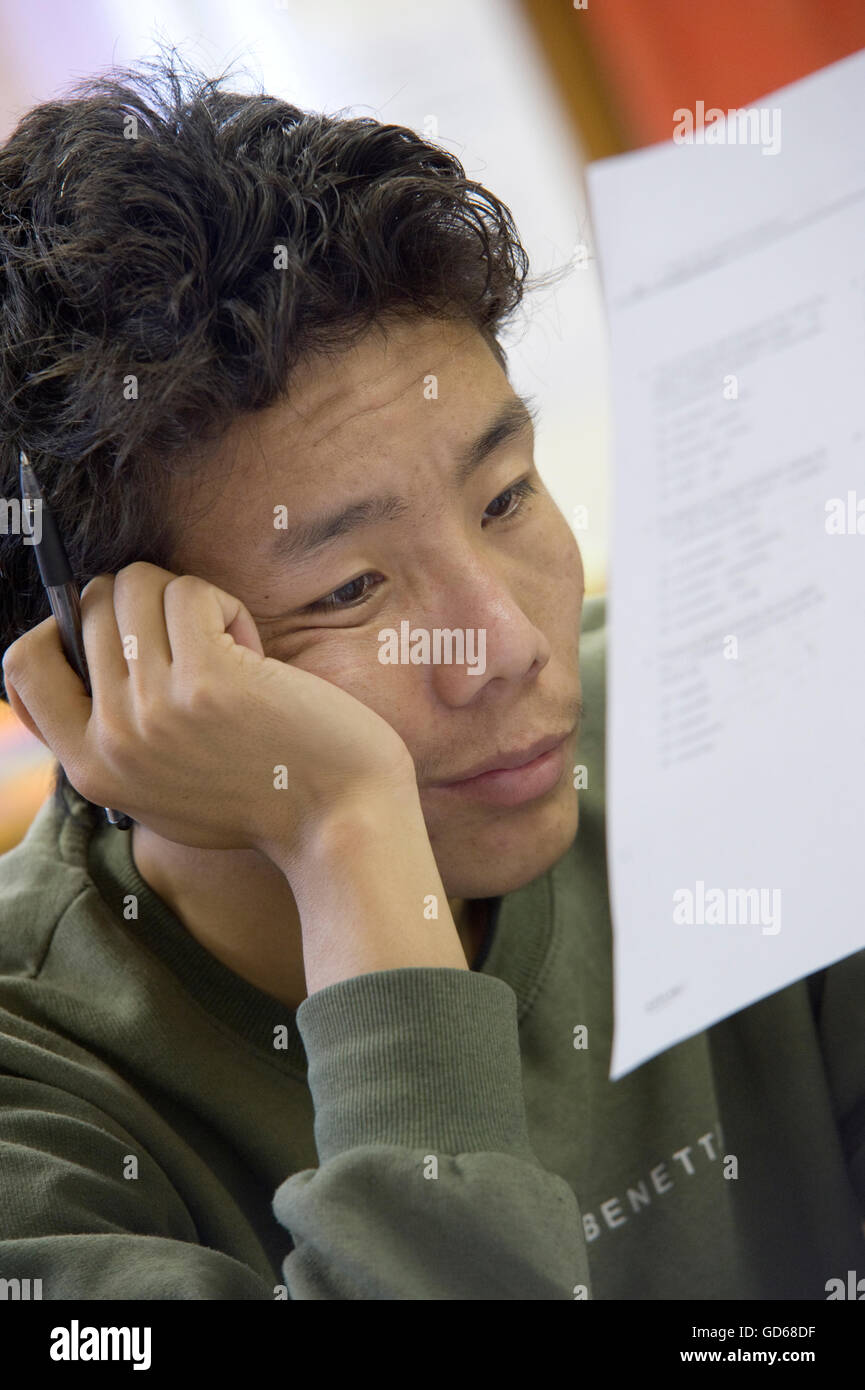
517 414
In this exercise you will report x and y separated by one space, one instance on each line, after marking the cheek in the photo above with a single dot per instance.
558 598
561 575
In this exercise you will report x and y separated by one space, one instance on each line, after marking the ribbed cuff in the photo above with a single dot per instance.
419 1057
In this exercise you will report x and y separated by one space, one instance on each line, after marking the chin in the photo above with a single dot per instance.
496 852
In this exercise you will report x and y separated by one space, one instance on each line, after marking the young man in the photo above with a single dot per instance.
334 1019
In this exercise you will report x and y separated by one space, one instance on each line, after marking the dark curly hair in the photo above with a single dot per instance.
157 229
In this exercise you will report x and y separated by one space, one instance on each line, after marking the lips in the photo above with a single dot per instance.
503 761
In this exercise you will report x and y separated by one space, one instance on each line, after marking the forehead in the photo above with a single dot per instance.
409 390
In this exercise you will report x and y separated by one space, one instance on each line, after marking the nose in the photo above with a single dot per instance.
501 645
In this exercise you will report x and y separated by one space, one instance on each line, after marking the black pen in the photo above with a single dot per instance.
61 589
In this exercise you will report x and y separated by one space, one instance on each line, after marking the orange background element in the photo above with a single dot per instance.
623 67
26 777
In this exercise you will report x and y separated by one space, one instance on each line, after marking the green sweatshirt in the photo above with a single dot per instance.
169 1131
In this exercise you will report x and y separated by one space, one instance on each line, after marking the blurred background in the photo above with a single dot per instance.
524 92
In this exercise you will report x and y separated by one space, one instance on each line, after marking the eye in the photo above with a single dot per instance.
521 491
354 595
348 596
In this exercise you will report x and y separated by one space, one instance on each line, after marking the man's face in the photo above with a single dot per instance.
395 416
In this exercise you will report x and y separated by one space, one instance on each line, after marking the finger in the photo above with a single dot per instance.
106 664
47 690
140 615
196 615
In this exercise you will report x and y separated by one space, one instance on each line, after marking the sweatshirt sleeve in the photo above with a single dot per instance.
427 1186
838 1003
68 1216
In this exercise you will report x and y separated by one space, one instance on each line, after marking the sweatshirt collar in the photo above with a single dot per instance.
515 945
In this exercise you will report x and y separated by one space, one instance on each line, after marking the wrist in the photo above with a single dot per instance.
368 817
363 887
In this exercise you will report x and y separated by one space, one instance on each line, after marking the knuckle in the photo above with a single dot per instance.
185 584
137 577
135 572
13 658
114 742
96 591
197 699
97 585
153 716
21 655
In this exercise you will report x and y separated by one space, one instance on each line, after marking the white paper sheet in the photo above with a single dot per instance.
734 279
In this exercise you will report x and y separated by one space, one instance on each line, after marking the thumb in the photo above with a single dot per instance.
244 631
